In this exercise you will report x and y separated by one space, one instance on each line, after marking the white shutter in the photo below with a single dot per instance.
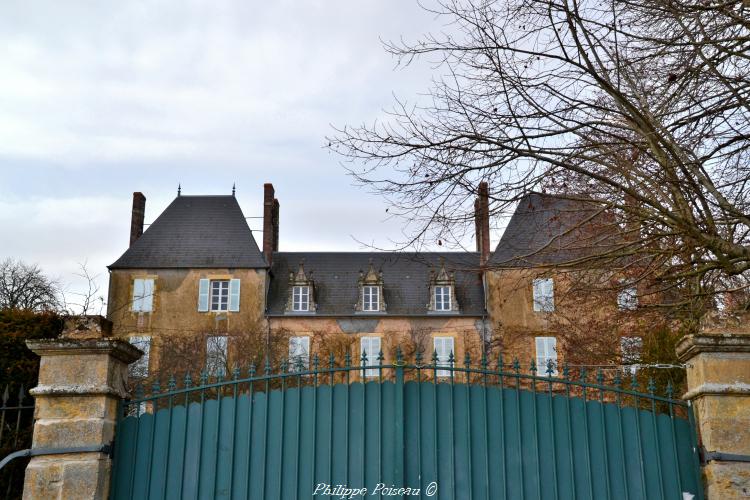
299 350
203 286
147 301
546 350
549 295
370 347
444 348
234 295
137 303
544 294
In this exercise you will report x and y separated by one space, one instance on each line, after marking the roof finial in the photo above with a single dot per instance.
233 188
179 189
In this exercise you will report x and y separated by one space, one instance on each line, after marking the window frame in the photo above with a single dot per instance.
627 298
304 291
443 359
216 368
542 358
443 297
223 294
145 301
371 357
375 296
293 356
540 301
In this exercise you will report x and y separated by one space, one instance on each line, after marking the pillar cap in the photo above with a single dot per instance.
117 348
692 345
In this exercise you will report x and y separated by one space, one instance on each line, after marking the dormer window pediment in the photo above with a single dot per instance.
370 291
301 292
443 291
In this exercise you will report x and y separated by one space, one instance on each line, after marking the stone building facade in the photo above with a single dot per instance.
195 289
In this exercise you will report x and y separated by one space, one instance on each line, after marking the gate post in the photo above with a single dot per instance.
718 386
82 378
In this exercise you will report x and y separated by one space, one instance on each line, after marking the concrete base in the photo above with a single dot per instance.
727 480
82 476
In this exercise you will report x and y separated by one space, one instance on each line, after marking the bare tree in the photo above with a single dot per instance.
24 286
639 105
89 300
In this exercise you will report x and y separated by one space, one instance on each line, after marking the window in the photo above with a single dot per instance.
299 353
301 298
442 298
369 351
216 356
370 298
444 349
219 295
544 295
631 348
546 351
139 369
143 295
627 299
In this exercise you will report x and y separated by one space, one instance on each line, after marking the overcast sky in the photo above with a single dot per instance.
100 99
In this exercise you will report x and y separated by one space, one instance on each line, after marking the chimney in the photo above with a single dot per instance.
482 222
136 216
270 222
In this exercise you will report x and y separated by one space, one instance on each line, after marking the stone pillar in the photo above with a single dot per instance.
718 385
82 377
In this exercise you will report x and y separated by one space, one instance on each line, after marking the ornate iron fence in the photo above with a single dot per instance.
475 431
16 427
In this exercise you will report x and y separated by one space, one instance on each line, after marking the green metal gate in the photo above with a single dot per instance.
476 433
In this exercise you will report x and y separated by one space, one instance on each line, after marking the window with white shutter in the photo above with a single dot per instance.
216 356
139 369
546 351
444 348
544 295
143 295
299 353
369 350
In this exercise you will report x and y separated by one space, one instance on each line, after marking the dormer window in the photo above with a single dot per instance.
442 291
442 298
301 292
370 291
370 298
301 298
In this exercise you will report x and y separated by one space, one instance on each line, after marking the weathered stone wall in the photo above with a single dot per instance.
82 377
718 375
175 317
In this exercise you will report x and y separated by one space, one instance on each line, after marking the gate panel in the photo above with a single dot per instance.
472 440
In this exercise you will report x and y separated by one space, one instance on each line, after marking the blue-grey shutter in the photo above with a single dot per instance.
234 295
147 301
203 295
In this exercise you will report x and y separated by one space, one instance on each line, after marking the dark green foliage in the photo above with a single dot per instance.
19 368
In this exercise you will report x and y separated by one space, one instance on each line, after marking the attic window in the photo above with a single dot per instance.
442 290
370 298
301 292
301 298
370 291
442 298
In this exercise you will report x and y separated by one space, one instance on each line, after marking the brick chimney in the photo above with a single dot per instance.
270 222
482 222
136 216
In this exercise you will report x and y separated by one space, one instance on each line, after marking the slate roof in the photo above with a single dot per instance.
549 230
406 281
195 232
